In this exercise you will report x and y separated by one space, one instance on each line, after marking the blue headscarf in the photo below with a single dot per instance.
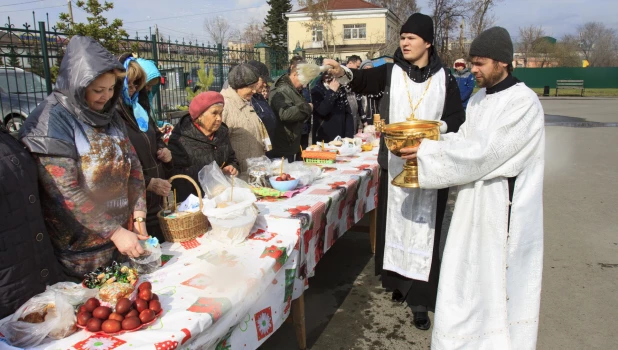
152 72
138 111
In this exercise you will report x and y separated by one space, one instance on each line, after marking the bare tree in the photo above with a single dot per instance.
598 44
568 52
402 9
481 16
253 33
321 19
218 29
528 37
447 14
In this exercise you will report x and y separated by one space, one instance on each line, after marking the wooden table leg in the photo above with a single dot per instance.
372 229
298 313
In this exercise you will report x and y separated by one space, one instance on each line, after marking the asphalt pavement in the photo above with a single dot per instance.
346 307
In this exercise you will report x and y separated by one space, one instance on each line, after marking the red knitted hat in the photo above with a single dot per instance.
203 101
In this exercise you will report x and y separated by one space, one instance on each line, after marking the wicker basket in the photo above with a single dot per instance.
186 227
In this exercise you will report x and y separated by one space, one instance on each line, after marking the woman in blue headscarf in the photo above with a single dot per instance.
156 159
153 82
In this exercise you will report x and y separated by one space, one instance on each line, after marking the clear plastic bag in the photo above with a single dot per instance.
305 173
50 314
150 261
232 223
349 147
258 171
214 182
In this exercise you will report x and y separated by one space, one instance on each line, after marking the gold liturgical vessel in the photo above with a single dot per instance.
403 135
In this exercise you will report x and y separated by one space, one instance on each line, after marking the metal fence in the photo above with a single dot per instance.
30 59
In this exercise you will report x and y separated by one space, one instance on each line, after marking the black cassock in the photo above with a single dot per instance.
419 294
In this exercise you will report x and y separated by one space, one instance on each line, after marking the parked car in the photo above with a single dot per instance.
20 93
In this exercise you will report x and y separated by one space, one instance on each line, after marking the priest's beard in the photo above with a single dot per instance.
487 80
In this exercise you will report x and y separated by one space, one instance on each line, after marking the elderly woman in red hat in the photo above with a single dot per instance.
199 138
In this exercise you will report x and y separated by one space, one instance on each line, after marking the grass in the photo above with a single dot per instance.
576 92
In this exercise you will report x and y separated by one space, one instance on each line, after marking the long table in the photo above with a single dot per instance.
217 296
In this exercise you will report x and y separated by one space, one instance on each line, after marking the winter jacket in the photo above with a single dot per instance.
266 114
146 145
291 111
27 261
465 82
192 150
89 173
332 116
247 132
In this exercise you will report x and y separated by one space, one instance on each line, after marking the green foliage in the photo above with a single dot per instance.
276 35
204 80
13 59
98 27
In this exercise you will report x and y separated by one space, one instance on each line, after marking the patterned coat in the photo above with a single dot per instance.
91 178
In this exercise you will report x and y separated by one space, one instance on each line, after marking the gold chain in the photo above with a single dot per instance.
405 79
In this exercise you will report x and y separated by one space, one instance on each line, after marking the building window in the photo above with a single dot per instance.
317 33
354 31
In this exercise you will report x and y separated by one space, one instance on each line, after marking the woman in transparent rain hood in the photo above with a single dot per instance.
92 185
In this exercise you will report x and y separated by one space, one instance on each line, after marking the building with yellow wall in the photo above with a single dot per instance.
357 28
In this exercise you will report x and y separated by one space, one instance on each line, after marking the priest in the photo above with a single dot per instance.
490 285
409 220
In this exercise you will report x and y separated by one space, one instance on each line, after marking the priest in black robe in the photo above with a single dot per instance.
429 90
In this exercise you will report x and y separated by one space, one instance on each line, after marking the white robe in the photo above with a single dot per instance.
490 281
411 214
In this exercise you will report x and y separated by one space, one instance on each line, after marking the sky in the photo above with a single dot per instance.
185 18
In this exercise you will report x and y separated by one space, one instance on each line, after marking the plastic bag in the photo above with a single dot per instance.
305 173
258 171
232 223
150 261
275 167
214 182
49 314
190 205
75 293
349 147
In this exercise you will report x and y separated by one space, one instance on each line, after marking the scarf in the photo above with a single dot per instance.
141 117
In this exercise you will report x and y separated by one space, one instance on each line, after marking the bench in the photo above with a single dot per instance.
570 84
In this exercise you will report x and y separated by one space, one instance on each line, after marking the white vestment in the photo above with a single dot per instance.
411 214
490 281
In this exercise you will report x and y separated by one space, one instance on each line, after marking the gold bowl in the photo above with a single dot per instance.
404 135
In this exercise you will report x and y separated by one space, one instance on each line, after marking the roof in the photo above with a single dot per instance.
334 5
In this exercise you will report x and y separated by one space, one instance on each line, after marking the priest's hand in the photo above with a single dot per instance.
409 152
336 71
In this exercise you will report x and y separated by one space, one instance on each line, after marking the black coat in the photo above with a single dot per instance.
378 80
332 115
146 146
263 110
373 81
192 150
27 261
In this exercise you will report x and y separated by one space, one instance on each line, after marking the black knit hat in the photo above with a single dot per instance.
261 67
242 76
421 25
494 43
